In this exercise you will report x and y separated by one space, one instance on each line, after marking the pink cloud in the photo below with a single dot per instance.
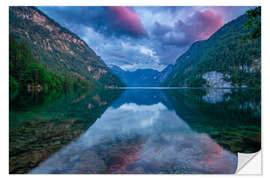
199 26
126 19
205 23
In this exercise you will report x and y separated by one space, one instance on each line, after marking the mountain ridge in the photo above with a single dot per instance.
141 77
225 57
57 48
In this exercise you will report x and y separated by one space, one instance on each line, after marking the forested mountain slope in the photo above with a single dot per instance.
56 48
226 59
26 73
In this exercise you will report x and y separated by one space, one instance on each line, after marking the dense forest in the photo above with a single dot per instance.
26 72
234 50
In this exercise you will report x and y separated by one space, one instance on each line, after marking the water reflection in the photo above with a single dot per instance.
232 117
140 138
139 131
45 123
214 96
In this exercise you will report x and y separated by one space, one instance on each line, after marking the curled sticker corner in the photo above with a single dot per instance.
249 163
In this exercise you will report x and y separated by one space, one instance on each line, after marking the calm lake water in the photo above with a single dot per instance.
134 131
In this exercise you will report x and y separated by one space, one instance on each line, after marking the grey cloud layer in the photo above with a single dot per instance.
142 37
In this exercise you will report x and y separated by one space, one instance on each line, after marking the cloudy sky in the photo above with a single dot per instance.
142 37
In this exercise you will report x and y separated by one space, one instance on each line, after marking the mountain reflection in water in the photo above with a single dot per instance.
141 138
139 131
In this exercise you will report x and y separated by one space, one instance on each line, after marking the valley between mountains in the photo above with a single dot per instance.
61 59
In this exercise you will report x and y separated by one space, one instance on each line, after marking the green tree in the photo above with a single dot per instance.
254 22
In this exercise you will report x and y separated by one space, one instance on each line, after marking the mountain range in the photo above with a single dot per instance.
142 77
225 59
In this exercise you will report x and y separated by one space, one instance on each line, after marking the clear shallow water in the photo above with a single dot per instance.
138 131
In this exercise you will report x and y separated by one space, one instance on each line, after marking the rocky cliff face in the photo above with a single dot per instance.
216 79
56 47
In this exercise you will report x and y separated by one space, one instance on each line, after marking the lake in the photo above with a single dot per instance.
149 130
